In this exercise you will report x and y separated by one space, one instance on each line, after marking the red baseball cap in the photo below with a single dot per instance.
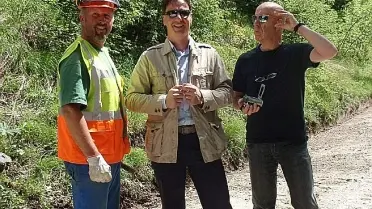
113 4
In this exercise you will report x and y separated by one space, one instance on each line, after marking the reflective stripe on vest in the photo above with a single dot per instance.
102 114
110 115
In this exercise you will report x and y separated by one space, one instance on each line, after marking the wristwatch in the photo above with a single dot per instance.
295 29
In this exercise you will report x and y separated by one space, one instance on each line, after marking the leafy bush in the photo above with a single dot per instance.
35 33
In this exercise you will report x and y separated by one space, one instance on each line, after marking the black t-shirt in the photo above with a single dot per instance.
281 74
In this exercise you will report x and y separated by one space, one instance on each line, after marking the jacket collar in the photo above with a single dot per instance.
167 47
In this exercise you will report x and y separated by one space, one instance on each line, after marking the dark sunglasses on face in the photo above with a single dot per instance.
265 78
260 18
174 13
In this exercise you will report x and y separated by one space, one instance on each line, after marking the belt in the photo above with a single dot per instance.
189 129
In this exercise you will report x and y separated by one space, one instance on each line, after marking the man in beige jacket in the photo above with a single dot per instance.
180 84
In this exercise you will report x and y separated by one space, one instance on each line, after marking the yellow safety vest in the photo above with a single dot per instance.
105 115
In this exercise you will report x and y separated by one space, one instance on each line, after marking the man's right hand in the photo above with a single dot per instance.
174 97
99 170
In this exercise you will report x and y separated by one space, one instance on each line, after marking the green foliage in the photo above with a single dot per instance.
9 198
356 41
312 13
137 121
22 19
38 132
136 28
229 56
332 89
234 125
207 19
244 8
35 33
33 190
340 5
345 22
345 25
6 130
42 64
137 157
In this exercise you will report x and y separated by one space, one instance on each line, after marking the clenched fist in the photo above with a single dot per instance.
192 94
174 97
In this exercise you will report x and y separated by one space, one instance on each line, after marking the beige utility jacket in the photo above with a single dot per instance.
154 74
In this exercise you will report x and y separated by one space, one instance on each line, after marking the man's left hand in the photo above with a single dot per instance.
192 94
286 20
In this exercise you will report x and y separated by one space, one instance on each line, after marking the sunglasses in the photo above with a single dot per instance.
174 13
260 18
265 78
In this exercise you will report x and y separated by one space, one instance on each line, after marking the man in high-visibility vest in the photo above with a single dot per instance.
92 124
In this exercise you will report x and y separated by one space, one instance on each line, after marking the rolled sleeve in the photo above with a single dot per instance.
208 99
163 98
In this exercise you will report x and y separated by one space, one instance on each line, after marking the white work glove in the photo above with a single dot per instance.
99 170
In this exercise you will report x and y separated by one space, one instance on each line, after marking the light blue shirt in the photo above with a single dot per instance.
184 117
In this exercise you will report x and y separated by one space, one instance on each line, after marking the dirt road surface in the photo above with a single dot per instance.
342 165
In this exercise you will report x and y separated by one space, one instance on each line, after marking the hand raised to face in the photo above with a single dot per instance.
286 20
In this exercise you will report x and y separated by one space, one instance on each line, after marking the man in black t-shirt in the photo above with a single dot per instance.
274 74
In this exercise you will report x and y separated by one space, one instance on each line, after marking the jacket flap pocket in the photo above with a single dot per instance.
202 78
154 125
154 138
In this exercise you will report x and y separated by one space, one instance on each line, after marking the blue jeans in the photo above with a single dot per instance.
87 194
296 165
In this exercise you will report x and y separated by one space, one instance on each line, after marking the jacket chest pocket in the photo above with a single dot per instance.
202 78
162 82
